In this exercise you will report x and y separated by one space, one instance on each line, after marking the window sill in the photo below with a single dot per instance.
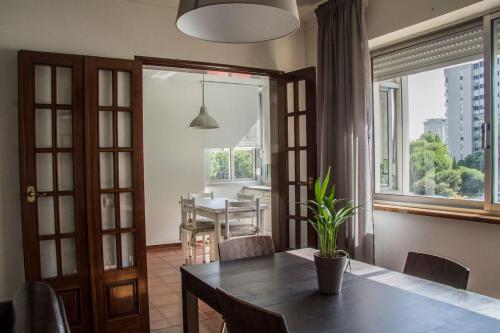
472 215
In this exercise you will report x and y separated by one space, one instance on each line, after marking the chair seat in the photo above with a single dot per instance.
240 229
200 226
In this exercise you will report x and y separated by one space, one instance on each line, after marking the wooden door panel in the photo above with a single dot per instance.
51 165
298 154
115 177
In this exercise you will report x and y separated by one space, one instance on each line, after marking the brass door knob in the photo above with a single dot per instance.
31 194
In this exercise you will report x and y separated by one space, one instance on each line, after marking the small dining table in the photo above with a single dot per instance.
215 210
372 300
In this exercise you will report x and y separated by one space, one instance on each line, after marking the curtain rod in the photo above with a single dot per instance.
236 83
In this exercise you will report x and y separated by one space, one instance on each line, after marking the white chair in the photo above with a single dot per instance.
191 227
233 212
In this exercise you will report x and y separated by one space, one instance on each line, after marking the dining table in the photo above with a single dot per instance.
215 209
372 299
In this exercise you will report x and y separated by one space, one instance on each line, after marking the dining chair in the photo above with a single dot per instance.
246 247
201 195
243 317
232 228
437 269
191 227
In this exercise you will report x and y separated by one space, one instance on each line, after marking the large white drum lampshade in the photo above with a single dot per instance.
237 21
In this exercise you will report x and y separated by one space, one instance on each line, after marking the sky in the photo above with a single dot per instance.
426 99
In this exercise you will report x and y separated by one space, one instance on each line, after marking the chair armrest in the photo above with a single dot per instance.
6 316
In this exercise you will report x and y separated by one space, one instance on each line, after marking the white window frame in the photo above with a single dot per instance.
490 149
232 177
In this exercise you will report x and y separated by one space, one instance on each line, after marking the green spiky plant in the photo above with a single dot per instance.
329 214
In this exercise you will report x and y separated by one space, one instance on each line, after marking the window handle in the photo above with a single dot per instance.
485 127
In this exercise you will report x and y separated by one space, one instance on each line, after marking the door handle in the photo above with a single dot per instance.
32 194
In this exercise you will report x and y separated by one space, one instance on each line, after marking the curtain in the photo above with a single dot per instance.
344 120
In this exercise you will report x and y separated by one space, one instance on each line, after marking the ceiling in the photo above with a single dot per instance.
306 7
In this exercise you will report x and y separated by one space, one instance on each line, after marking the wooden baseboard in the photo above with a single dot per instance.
163 246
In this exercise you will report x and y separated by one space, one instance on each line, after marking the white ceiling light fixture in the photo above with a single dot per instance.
237 21
203 120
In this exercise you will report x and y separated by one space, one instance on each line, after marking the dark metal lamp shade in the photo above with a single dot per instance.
237 21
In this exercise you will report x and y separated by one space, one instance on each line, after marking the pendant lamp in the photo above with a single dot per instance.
237 21
203 120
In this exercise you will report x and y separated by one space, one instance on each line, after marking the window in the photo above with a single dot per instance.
230 164
430 119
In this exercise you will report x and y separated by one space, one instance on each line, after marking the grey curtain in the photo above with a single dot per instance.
344 120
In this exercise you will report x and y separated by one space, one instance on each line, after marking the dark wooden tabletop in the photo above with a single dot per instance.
372 299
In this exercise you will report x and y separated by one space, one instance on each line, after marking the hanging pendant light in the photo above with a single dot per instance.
203 120
237 21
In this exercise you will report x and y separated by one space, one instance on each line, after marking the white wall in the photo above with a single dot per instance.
110 28
174 154
475 245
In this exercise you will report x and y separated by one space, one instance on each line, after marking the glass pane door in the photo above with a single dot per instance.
52 178
299 117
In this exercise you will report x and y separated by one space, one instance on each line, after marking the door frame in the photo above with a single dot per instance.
277 135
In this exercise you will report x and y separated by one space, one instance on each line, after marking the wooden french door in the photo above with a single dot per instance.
52 177
116 200
81 170
298 154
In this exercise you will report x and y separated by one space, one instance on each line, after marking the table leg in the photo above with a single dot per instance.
217 236
190 319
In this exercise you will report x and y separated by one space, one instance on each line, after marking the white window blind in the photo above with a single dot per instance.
456 47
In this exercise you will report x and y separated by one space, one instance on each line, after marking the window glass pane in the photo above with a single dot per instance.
63 85
67 213
243 163
125 169
106 170
291 131
46 220
44 172
43 86
105 88
107 211
126 210
218 164
105 129
48 258
109 251
128 249
64 128
65 171
43 128
124 129
123 90
428 133
495 107
289 97
68 256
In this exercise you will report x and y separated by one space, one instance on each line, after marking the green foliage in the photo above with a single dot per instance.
473 161
243 165
329 214
427 155
433 172
219 164
472 182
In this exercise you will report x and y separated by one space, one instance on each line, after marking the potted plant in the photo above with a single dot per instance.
329 214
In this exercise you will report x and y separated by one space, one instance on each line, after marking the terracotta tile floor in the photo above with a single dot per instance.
165 309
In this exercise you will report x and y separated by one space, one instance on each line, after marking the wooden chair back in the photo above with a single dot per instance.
243 317
437 269
188 211
245 247
201 195
232 209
